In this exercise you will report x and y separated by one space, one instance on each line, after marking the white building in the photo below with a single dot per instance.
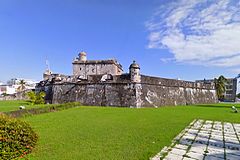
238 85
6 89
14 86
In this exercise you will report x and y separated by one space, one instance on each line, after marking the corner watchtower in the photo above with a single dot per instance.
134 71
82 56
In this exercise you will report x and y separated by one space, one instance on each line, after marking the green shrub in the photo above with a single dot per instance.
45 109
36 98
16 138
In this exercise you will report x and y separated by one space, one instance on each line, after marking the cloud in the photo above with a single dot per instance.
234 70
198 32
166 60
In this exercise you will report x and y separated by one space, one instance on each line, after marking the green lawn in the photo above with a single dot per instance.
12 105
116 133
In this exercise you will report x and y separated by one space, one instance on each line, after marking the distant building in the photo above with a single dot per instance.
238 83
13 86
6 89
231 88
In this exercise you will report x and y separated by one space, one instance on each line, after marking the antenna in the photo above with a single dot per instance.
47 64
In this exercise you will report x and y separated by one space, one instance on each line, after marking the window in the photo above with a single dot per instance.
229 92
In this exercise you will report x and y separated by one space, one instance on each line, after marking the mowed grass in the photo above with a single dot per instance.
116 133
12 105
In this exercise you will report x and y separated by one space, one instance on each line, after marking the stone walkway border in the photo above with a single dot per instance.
204 140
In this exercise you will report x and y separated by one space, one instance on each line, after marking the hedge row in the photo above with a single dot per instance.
45 109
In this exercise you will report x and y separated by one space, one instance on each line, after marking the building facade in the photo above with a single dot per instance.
83 67
230 86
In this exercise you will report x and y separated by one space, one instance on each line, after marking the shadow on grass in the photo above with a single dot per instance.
24 103
216 105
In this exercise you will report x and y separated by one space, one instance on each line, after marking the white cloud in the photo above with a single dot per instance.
165 60
198 32
235 70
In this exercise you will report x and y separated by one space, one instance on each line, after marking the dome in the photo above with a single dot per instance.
82 53
134 65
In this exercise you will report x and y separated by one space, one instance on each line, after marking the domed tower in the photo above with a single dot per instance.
47 74
134 71
82 56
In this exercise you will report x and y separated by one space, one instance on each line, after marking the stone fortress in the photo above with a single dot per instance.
103 83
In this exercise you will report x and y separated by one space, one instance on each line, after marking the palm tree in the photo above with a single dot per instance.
220 83
22 84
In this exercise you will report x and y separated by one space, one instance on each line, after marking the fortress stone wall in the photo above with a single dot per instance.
126 90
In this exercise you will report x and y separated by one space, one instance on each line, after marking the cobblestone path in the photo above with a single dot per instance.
204 140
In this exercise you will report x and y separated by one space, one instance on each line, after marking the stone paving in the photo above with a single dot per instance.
204 140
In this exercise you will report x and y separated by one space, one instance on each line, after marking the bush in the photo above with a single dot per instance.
36 98
16 138
45 109
4 94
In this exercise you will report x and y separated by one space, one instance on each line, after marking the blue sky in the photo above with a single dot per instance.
184 39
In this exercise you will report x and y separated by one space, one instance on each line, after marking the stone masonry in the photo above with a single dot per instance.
102 83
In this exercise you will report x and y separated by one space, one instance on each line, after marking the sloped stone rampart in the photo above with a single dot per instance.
120 91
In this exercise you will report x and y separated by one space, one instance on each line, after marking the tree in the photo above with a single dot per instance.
220 83
238 95
22 84
36 98
12 81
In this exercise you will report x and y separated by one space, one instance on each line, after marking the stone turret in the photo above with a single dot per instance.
82 56
134 71
47 74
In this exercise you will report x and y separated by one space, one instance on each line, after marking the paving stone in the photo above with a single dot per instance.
192 131
195 155
205 131
185 142
189 136
171 156
217 133
232 146
232 157
219 155
215 150
217 137
178 151
216 143
180 146
186 158
210 157
234 152
201 140
203 135
206 140
231 140
200 150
